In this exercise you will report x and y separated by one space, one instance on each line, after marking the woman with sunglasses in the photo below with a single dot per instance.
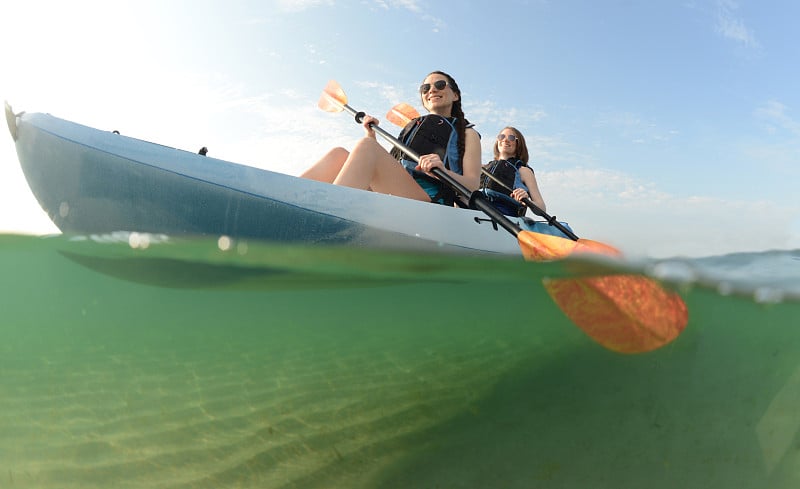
508 180
370 166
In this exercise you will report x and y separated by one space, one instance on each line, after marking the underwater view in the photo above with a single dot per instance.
144 361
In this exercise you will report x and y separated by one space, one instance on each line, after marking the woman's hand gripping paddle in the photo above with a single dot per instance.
623 313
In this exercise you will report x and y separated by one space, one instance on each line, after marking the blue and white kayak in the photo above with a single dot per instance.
92 181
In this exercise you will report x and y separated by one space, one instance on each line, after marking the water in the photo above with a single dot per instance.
141 361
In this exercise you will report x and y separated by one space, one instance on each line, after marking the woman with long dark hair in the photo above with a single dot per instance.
443 137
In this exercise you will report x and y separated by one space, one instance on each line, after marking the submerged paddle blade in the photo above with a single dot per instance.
545 247
401 114
624 313
333 98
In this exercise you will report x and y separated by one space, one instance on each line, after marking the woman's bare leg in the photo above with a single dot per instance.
328 167
370 166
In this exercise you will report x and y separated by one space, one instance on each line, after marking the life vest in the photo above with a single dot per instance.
431 134
507 172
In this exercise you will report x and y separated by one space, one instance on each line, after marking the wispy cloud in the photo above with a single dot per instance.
300 5
413 6
488 112
620 209
632 127
780 152
593 184
550 153
490 118
730 26
775 113
386 93
314 54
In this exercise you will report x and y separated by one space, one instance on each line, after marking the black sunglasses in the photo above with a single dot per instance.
438 85
510 137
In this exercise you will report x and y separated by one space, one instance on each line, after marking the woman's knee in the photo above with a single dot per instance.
337 153
367 144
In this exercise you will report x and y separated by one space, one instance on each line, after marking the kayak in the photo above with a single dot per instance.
91 181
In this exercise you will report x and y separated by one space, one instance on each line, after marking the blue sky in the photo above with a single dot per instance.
663 127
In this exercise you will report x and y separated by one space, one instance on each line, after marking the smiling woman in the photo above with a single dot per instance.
508 180
456 152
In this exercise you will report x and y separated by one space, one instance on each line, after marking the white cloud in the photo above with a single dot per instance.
634 128
775 113
387 94
731 27
414 7
781 150
490 114
300 5
641 220
591 185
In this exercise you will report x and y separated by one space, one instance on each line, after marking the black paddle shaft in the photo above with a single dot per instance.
551 220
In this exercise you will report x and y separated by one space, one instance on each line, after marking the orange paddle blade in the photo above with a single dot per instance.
544 247
624 313
401 114
333 98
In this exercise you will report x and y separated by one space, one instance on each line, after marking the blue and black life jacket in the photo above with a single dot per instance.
505 175
431 134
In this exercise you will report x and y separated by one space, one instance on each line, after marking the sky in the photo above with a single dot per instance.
663 127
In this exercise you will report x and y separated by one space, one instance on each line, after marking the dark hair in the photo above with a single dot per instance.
522 147
457 112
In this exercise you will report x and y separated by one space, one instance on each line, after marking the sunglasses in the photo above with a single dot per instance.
438 85
511 137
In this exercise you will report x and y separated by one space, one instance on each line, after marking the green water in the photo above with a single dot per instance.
182 366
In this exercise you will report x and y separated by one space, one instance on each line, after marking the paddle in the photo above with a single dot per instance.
624 313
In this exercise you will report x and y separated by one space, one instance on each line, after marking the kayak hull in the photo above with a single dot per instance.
93 181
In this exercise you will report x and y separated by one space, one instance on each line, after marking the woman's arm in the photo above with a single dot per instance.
529 179
471 164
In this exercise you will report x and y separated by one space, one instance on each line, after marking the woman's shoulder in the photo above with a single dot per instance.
470 130
471 133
